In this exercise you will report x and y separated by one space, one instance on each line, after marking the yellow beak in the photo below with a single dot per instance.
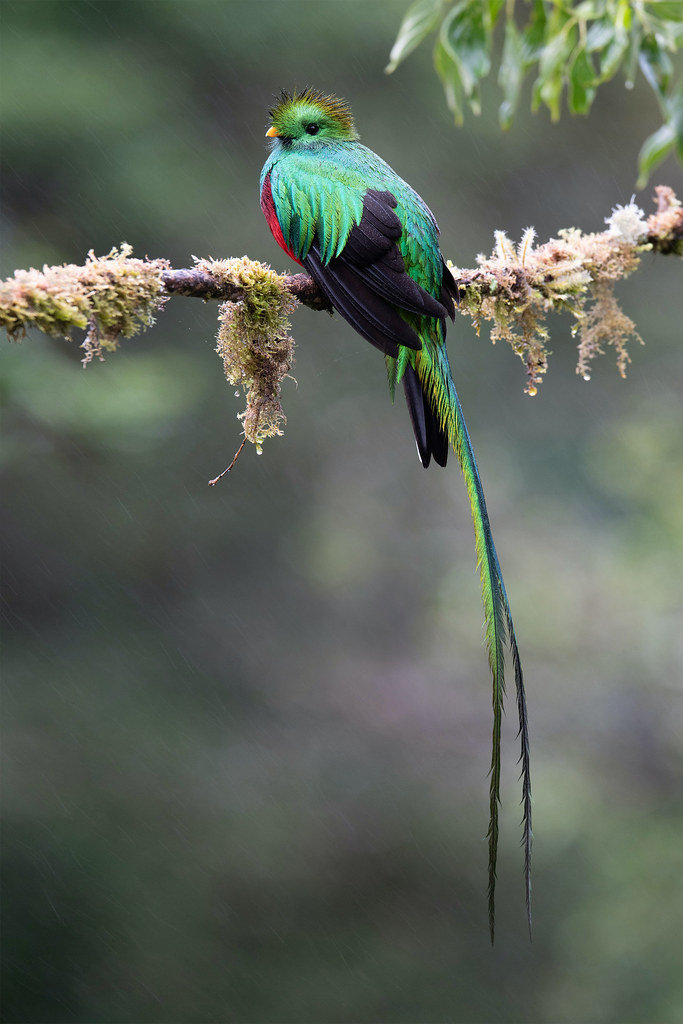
272 133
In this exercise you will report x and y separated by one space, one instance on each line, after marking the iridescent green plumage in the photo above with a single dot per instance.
371 244
330 111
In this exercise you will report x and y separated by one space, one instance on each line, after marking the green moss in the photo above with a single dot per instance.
518 285
254 341
109 297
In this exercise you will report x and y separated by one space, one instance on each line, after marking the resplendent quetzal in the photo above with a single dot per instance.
371 244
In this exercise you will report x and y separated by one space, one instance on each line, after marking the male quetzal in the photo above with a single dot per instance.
371 244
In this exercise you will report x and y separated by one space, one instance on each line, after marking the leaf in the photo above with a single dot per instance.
613 55
447 70
587 9
510 73
655 64
655 148
554 56
635 39
611 35
533 36
623 18
419 20
492 10
675 106
600 34
468 43
556 46
667 10
581 83
668 33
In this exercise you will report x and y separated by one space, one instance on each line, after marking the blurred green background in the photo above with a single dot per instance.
247 728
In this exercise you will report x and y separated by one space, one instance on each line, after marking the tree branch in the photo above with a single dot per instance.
515 288
664 234
202 284
663 237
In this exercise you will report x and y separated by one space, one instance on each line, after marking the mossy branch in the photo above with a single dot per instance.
518 285
115 296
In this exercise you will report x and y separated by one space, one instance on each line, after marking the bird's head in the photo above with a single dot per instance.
304 120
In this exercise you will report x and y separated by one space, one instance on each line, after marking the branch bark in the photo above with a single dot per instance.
196 283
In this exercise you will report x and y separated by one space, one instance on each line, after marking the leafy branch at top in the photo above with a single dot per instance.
115 296
566 44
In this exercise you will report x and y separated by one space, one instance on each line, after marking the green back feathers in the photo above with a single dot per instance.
312 116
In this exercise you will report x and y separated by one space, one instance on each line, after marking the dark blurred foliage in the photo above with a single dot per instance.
247 728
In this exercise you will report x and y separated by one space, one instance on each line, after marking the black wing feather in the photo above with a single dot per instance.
372 249
368 283
366 311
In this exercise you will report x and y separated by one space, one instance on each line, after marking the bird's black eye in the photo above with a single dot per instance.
312 128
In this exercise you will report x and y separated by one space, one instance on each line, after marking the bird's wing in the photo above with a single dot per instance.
351 240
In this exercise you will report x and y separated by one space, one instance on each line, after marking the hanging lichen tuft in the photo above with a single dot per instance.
518 285
254 341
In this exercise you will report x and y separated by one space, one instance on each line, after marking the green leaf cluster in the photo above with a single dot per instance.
567 48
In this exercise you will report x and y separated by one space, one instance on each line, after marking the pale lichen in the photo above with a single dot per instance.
665 227
110 297
604 323
518 285
254 341
627 223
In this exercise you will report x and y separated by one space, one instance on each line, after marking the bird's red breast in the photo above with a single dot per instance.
269 212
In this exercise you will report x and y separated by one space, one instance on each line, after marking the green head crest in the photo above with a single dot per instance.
310 117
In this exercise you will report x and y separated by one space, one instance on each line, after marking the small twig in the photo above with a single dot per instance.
212 483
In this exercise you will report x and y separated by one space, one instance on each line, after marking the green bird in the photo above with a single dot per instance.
371 244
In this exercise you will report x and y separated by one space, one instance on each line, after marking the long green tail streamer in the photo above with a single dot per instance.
434 371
